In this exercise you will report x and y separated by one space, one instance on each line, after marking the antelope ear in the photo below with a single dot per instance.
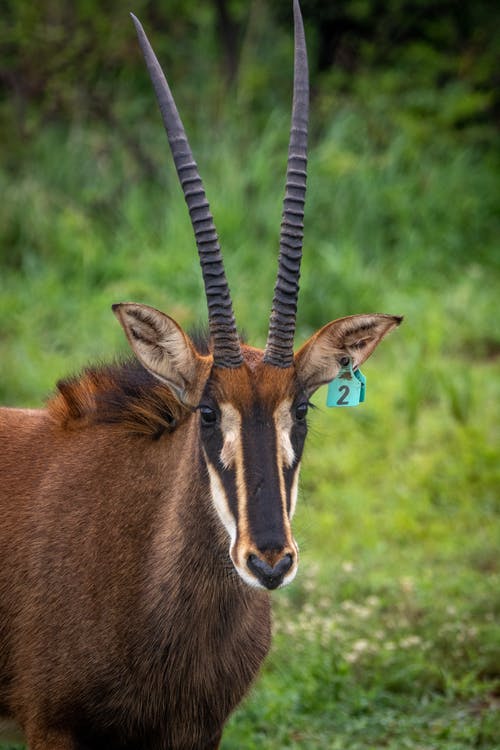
161 345
319 359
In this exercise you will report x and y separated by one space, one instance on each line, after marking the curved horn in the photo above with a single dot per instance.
226 345
279 347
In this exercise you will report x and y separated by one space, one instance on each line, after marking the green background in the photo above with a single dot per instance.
389 637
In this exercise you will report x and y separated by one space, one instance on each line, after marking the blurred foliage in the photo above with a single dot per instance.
393 636
66 61
404 76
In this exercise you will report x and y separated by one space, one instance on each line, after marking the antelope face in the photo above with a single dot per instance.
252 430
251 425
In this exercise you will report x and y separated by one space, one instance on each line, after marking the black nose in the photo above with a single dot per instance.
270 577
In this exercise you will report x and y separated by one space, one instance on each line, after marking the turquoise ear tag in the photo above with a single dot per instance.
348 388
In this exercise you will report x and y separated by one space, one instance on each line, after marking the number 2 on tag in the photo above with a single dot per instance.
344 395
347 389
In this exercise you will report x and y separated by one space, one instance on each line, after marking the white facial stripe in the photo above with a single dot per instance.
232 456
294 490
284 457
231 431
286 448
284 423
220 501
229 449
219 498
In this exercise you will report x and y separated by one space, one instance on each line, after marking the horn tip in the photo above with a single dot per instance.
136 22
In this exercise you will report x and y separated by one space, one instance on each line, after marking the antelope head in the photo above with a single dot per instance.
251 405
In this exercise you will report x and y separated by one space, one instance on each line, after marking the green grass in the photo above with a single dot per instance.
389 636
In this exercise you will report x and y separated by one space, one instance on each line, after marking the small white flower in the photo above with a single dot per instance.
409 641
407 584
360 645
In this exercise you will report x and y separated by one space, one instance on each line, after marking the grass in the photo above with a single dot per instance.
388 638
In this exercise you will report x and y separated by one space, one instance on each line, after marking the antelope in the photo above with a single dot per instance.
146 511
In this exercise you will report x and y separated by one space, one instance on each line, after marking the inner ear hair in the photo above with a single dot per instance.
161 345
319 360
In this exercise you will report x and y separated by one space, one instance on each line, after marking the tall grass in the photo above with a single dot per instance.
388 638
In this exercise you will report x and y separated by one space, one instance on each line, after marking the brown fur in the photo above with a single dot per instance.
125 394
123 624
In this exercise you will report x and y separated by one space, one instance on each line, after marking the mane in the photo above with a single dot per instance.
123 393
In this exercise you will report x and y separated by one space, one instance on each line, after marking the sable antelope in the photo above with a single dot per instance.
146 511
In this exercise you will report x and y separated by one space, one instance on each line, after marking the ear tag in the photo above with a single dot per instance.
348 388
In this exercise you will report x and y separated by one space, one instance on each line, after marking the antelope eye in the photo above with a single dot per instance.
301 411
208 415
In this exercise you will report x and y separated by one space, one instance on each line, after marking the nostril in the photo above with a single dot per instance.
270 577
286 563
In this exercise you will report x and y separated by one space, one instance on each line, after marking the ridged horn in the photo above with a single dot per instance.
279 347
223 332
